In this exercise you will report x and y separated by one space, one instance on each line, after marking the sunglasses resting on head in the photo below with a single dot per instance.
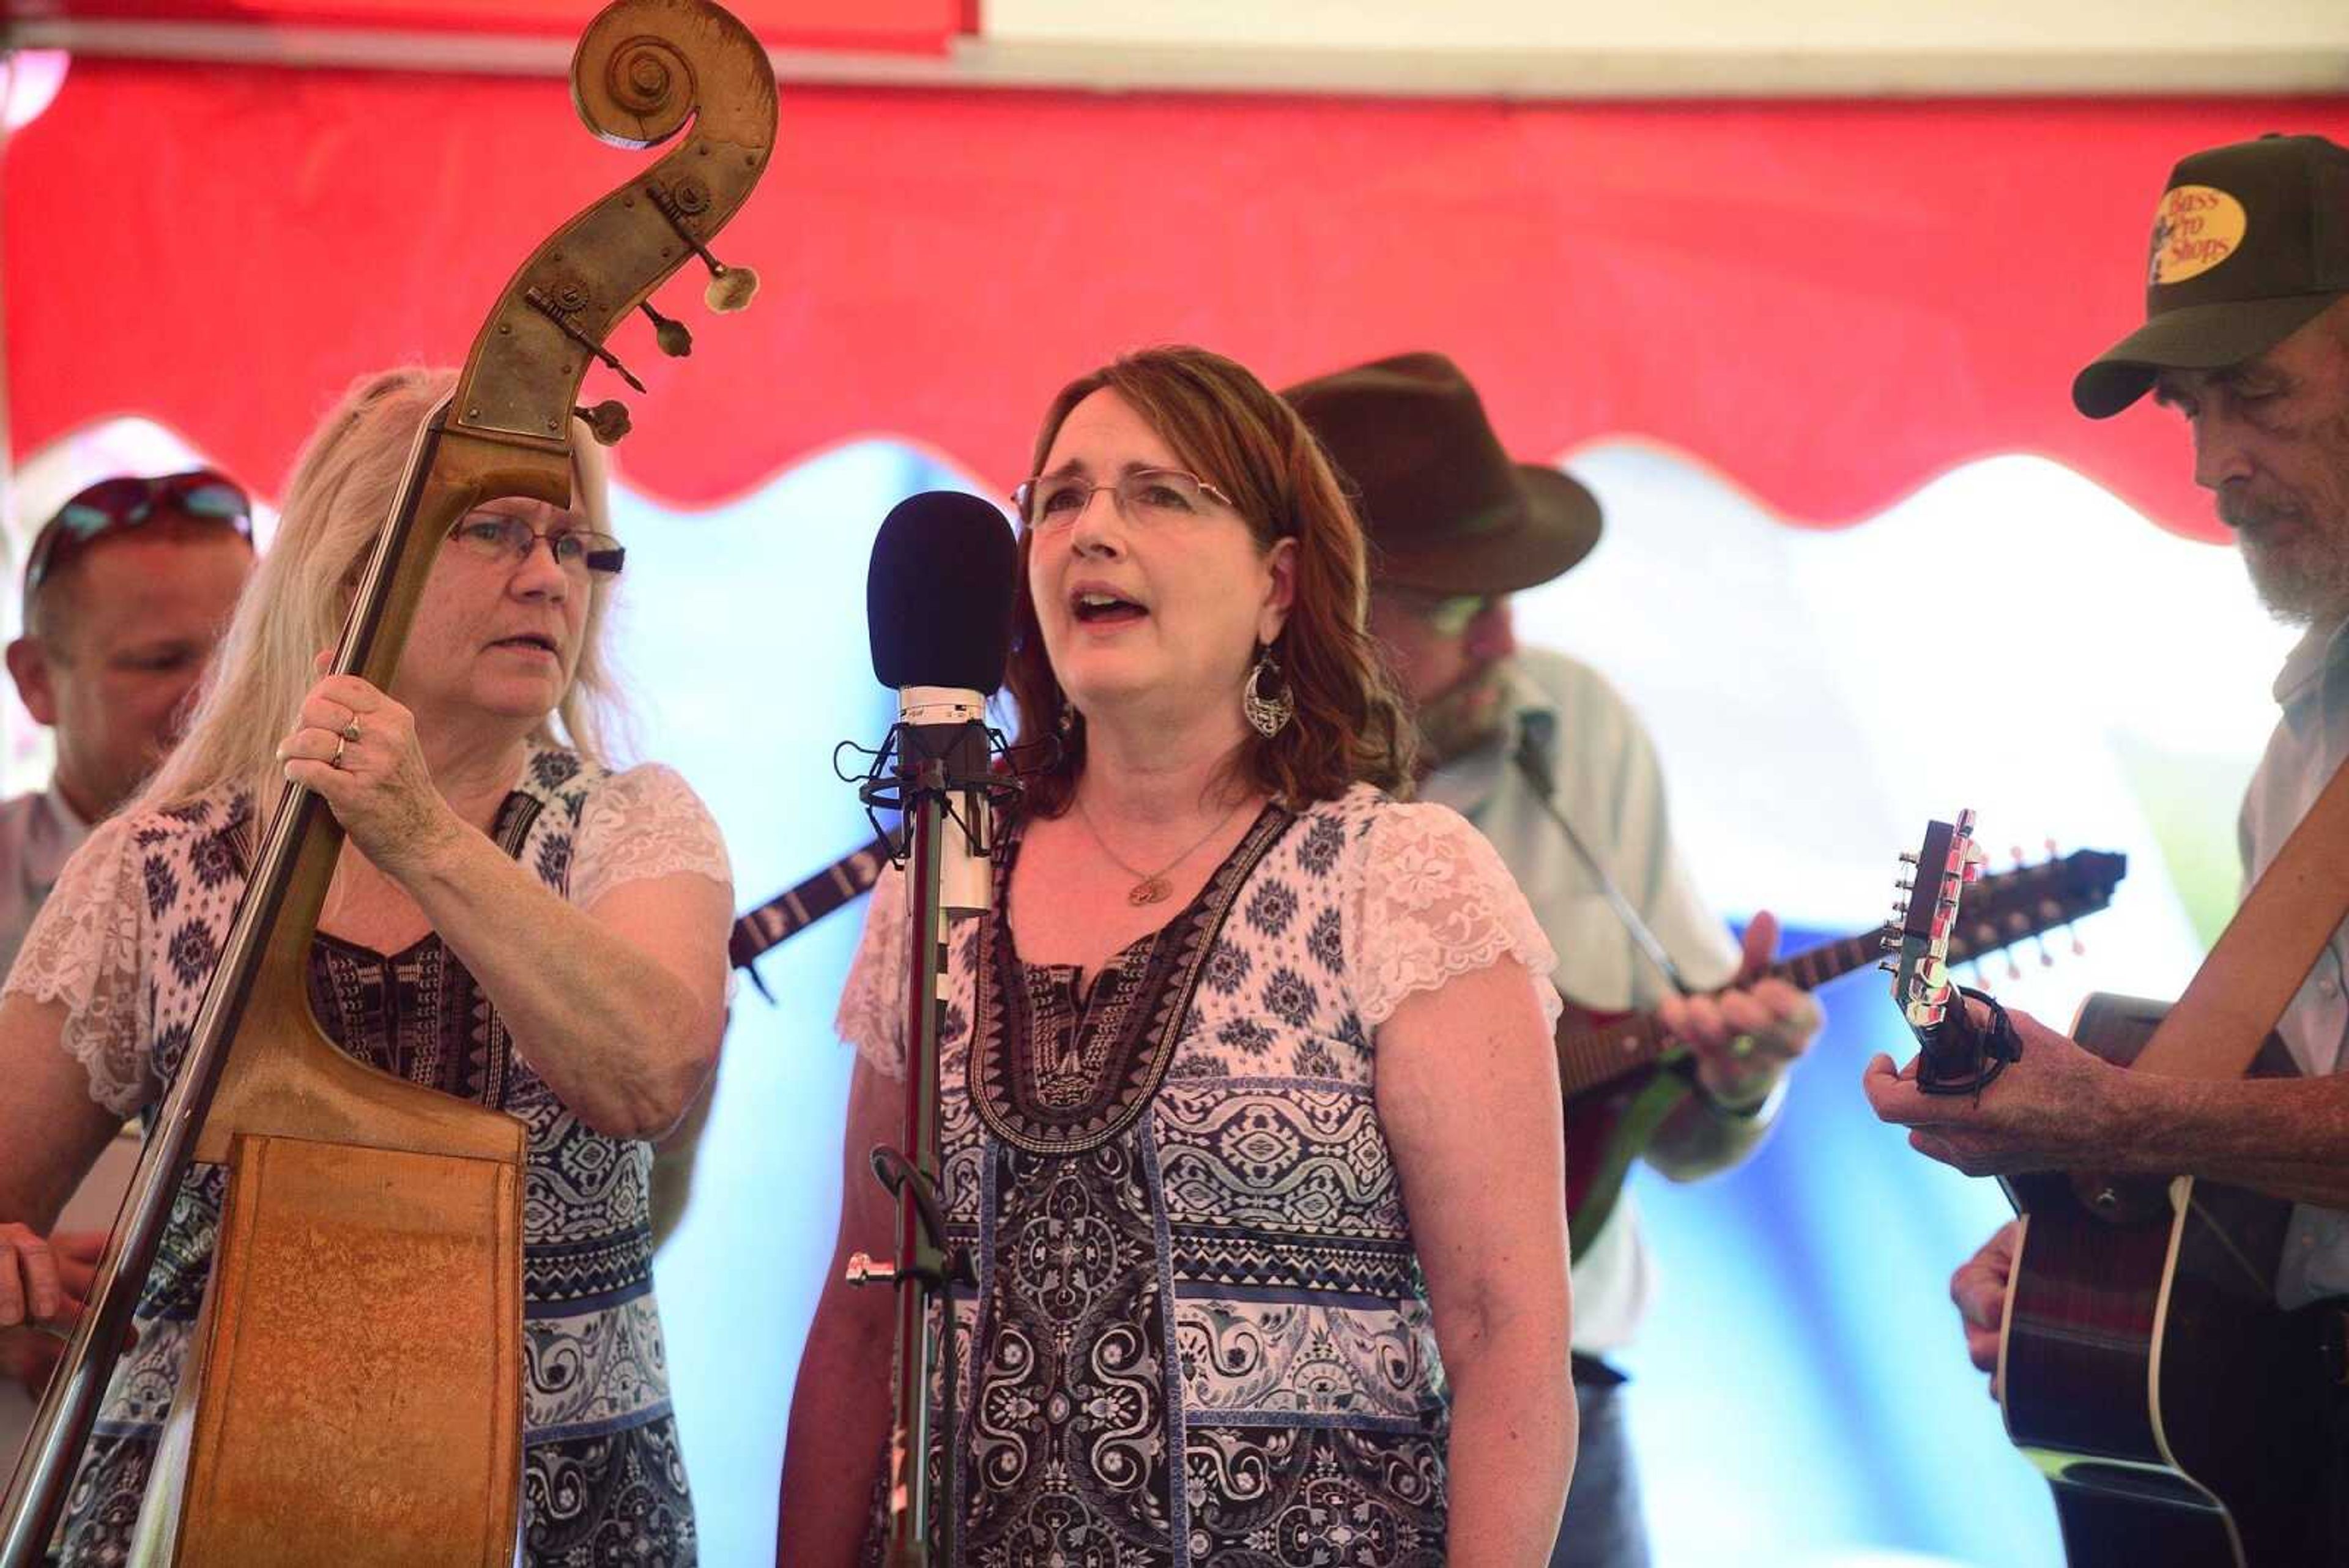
127 501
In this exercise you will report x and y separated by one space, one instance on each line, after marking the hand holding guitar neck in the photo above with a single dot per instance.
1964 1037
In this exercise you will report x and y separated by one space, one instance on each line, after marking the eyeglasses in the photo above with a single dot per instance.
505 538
1050 502
111 505
1446 615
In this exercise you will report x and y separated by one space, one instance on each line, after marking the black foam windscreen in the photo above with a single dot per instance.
938 598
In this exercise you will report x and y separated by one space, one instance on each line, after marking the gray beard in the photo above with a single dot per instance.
2297 592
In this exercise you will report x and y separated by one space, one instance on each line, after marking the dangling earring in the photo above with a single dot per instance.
1067 724
1267 716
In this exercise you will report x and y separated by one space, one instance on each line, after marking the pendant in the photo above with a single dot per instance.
1149 890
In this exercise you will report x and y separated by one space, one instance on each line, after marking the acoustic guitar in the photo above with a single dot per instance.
2179 1413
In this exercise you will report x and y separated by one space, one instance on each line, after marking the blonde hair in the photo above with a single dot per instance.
344 485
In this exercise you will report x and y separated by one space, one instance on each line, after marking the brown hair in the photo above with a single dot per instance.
1231 430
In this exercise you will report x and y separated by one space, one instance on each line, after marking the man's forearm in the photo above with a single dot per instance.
2286 1136
1702 1136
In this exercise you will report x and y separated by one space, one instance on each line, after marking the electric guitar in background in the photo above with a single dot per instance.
1623 1075
2180 1415
802 905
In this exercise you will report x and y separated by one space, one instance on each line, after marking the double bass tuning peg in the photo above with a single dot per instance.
608 422
674 338
731 288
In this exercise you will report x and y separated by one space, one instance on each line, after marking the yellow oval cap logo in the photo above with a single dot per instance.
2194 229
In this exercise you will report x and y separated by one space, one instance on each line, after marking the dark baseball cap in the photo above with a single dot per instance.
2251 242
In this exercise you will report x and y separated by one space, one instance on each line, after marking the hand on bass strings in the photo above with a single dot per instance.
356 747
2055 1108
1743 1037
1979 1288
44 1283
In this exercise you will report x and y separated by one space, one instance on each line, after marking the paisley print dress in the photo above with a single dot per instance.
1199 1332
127 942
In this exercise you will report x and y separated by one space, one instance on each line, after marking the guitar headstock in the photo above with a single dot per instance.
2008 907
1923 924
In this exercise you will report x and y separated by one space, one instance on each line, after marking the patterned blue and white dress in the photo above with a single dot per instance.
1200 1332
127 943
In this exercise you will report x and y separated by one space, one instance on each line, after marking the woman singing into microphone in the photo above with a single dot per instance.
1251 1121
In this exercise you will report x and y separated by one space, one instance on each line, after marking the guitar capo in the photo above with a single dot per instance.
1984 1049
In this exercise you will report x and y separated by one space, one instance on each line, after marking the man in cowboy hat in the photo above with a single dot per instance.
1517 740
2247 338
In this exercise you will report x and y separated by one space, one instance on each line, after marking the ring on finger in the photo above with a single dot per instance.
337 760
350 732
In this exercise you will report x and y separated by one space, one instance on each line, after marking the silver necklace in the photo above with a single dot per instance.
1151 886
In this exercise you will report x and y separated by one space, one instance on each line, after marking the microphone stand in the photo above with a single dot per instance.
934 763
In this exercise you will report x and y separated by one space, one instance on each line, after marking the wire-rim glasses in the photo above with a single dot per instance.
1048 503
503 538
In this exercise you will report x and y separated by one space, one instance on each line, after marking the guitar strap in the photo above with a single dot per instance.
1531 757
2260 960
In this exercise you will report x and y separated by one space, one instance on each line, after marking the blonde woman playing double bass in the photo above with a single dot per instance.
511 922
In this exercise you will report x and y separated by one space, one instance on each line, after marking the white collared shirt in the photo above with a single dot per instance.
1611 787
38 833
2311 739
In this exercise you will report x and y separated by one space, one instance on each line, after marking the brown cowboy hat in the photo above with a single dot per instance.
1444 508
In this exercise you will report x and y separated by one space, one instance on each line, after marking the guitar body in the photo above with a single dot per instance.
2180 1415
1609 1125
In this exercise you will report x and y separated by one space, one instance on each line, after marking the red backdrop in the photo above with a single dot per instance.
1829 303
921 26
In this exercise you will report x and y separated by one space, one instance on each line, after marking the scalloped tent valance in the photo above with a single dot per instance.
1829 303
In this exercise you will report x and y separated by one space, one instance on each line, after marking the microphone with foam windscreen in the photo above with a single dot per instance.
937 603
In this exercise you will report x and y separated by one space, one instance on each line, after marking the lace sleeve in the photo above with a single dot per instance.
872 1004
83 952
1435 902
642 824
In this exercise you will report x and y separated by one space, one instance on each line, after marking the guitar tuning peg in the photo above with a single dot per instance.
1908 857
1903 883
608 422
675 339
1888 966
1888 943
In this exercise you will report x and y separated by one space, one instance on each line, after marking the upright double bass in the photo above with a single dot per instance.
355 1376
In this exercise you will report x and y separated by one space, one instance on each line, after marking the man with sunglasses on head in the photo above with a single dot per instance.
1514 740
126 590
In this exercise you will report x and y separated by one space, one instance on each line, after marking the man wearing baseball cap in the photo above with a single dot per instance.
1551 765
2246 338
